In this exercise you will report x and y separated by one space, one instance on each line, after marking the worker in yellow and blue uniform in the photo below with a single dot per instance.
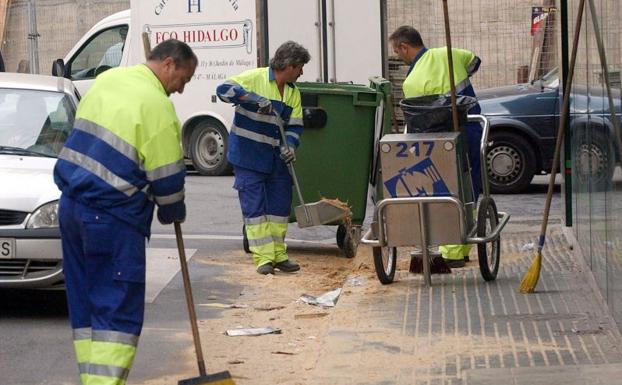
122 158
258 155
429 75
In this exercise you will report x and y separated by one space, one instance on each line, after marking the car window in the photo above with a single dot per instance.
102 52
551 79
35 121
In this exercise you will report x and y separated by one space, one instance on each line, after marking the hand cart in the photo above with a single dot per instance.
410 217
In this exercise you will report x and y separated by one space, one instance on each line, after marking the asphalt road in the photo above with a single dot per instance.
35 336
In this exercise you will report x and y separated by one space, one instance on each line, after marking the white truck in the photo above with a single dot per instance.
223 36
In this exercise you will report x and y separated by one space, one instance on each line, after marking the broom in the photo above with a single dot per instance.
220 378
530 280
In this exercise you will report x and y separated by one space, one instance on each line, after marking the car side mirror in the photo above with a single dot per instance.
60 69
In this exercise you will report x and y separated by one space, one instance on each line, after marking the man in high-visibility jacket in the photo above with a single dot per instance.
258 155
429 75
122 158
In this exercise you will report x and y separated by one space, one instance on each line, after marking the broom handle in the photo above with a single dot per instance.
290 166
562 125
189 300
450 61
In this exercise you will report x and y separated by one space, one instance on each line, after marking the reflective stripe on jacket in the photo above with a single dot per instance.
429 74
124 152
254 139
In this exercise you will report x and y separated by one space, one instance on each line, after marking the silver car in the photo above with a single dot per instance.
36 115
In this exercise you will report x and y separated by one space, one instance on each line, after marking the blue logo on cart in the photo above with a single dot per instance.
425 167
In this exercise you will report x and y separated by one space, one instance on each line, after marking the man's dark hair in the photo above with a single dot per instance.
407 34
289 54
177 50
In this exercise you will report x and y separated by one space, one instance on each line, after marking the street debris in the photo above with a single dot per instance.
310 315
285 353
223 305
252 331
268 307
328 299
355 281
235 362
528 246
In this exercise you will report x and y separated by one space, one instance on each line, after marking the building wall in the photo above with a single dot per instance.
60 24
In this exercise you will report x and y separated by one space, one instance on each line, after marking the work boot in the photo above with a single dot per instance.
287 266
265 269
455 263
438 265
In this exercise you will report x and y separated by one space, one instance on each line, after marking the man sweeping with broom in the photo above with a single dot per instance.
258 155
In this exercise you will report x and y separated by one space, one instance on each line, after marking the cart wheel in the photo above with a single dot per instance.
350 240
488 253
341 234
245 240
385 259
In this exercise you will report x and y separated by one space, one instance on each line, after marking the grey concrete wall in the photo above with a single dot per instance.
60 24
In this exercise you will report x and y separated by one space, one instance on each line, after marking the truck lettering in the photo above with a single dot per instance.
194 3
161 36
4 250
160 7
214 35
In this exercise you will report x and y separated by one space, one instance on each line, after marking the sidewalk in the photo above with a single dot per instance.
465 331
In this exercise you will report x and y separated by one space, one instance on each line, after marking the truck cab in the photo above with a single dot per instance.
116 41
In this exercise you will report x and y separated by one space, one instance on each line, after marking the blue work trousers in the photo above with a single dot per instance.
104 267
474 138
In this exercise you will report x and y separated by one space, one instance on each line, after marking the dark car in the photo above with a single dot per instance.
524 120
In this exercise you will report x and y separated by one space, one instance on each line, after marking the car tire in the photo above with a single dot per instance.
208 148
594 162
510 162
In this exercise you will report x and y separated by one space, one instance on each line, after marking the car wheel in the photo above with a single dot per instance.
208 148
511 163
594 161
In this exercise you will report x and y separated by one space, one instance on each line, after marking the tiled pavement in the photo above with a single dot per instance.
465 331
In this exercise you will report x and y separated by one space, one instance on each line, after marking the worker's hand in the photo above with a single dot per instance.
288 154
264 106
175 212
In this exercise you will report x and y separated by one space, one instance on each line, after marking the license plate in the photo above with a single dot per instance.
7 248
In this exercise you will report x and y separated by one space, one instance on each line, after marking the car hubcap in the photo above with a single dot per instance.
504 164
592 160
211 149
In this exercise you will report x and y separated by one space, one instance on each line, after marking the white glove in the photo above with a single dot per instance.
288 155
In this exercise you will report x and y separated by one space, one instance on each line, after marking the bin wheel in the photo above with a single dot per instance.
385 260
488 253
245 240
348 240
341 235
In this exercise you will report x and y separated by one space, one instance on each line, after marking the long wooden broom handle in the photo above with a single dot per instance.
450 60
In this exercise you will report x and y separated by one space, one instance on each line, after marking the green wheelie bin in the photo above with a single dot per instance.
337 158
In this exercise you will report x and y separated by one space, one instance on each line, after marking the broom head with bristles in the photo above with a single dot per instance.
530 280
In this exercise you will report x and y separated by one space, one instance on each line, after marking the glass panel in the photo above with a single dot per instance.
34 122
102 52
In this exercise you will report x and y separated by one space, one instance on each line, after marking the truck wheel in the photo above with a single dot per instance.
208 148
511 163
